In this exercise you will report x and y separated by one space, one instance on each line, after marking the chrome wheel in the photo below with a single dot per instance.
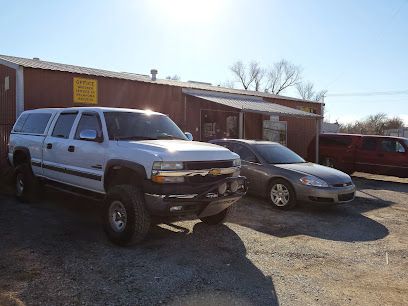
117 216
19 184
280 195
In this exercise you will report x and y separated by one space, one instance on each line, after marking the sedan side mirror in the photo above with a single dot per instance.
189 136
89 135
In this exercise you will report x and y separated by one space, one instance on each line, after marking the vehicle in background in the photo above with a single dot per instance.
285 178
139 162
384 155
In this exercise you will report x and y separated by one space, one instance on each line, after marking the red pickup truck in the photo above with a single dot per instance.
365 153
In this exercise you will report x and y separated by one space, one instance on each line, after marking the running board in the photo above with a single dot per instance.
74 191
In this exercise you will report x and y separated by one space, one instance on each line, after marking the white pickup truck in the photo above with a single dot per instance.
140 162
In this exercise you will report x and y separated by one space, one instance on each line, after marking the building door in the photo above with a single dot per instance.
217 124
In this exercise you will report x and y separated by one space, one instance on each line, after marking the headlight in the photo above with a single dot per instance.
311 180
167 165
236 162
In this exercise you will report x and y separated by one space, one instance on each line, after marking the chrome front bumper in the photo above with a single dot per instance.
205 203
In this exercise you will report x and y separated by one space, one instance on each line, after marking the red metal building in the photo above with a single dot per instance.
206 111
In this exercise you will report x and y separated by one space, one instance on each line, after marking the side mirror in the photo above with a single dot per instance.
89 135
189 136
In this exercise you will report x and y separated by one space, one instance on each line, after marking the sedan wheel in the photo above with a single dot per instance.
281 194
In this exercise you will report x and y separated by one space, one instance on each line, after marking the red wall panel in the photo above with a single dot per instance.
7 108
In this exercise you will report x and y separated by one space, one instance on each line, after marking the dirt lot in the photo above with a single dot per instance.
54 252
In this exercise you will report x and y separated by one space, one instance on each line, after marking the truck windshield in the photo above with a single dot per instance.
278 154
141 126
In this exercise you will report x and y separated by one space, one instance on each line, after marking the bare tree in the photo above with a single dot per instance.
374 124
282 75
227 84
307 92
248 75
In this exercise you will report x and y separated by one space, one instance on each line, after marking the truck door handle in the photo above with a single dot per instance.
49 146
71 149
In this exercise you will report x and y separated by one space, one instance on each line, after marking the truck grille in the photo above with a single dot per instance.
198 179
201 165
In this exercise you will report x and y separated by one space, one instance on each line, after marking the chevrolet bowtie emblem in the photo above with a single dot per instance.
215 172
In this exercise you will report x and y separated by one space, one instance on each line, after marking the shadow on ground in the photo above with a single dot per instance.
344 222
55 252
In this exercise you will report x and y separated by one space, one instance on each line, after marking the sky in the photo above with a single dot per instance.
342 46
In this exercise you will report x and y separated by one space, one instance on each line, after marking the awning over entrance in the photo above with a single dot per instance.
247 103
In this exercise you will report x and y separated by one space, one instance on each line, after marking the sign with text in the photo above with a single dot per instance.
85 91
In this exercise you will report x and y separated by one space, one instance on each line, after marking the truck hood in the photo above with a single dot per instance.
180 150
329 175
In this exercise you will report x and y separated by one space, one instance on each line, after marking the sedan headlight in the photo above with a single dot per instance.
167 165
311 180
236 162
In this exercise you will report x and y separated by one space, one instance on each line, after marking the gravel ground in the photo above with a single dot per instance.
54 252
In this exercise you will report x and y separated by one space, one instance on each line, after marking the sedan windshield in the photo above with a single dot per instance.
141 126
278 154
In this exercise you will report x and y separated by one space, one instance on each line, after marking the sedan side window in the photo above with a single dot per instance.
245 153
89 121
392 146
63 125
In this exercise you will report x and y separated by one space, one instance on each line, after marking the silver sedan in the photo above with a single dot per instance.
285 178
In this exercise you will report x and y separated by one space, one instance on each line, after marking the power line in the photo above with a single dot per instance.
370 93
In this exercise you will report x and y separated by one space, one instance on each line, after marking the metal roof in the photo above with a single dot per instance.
248 103
40 64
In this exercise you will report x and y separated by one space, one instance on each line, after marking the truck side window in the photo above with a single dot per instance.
36 123
392 146
89 122
18 127
369 144
64 125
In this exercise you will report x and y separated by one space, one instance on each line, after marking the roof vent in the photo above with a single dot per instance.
154 73
36 58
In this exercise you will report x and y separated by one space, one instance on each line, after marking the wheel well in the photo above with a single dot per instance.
20 157
118 175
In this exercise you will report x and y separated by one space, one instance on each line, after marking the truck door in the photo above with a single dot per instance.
367 155
84 159
394 157
55 147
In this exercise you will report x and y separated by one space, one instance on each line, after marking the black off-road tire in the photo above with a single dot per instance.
138 218
28 188
292 195
218 218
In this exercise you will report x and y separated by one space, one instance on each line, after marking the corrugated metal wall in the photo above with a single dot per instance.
7 108
45 88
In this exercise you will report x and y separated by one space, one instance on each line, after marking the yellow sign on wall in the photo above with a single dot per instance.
85 91
307 109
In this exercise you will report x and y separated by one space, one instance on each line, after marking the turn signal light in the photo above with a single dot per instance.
167 179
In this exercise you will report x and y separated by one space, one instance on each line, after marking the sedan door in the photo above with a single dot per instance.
251 168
